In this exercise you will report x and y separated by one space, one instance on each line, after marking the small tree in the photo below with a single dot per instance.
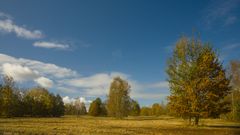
69 109
58 106
9 98
103 109
156 109
146 111
80 107
118 98
197 81
95 108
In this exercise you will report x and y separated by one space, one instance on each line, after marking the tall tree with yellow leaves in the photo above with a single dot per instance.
197 81
118 101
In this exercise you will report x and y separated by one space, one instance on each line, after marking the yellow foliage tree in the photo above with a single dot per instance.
197 81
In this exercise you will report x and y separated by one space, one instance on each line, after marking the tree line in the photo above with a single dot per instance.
35 102
75 108
38 102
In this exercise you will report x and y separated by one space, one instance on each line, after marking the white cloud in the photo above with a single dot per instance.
98 85
44 82
66 90
160 85
98 80
69 82
67 99
44 69
83 99
149 90
23 70
8 26
149 95
95 85
18 72
50 45
119 74
22 74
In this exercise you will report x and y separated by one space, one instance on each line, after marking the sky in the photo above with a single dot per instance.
75 47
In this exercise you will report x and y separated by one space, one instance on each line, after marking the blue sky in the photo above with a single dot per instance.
76 47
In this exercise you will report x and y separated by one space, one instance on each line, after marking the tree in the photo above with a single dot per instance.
75 108
146 111
97 108
103 109
234 96
9 98
134 109
39 101
35 102
69 109
80 107
197 81
118 98
58 106
156 109
1 99
164 108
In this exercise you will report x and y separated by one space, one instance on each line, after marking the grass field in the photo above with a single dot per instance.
87 125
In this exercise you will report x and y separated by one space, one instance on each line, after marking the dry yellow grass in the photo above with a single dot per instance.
87 125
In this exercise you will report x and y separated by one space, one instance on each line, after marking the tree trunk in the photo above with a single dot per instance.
196 121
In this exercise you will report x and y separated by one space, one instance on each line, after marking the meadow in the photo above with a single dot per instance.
86 125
